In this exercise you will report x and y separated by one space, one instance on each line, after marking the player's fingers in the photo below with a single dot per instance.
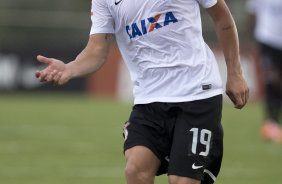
44 60
50 77
229 94
236 99
37 74
57 78
239 104
243 99
43 76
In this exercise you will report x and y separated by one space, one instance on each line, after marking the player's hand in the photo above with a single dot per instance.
55 73
237 90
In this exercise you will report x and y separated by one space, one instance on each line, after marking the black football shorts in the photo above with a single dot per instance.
271 58
187 137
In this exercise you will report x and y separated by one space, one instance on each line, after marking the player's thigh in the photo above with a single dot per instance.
145 130
141 159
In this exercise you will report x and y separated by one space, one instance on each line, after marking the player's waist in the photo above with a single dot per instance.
175 99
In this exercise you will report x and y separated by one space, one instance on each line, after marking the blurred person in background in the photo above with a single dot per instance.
266 23
175 125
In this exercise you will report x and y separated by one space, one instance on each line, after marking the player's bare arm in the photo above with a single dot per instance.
88 61
236 86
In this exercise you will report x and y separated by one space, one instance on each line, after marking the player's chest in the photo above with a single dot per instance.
129 11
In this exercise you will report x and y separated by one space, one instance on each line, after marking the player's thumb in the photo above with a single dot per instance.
43 59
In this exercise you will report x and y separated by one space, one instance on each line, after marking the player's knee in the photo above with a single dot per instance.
132 171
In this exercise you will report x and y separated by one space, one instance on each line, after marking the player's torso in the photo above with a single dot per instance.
161 43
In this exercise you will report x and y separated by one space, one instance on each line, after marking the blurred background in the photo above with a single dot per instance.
72 133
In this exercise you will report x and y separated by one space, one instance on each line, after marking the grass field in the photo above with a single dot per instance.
74 139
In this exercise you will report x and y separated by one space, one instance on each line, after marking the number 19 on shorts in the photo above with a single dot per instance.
205 139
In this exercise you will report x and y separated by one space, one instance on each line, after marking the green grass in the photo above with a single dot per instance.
75 139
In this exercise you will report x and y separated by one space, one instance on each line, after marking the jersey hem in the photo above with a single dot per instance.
101 31
178 99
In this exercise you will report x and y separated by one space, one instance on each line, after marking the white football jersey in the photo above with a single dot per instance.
162 45
268 21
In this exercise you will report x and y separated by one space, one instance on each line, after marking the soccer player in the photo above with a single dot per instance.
266 18
175 124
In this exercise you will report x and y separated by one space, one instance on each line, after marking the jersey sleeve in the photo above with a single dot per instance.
102 20
207 3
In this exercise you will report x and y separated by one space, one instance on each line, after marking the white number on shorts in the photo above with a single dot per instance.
205 139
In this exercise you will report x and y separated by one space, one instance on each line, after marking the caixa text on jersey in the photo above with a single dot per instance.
150 24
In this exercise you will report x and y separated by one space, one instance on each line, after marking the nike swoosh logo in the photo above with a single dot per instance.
196 167
116 3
